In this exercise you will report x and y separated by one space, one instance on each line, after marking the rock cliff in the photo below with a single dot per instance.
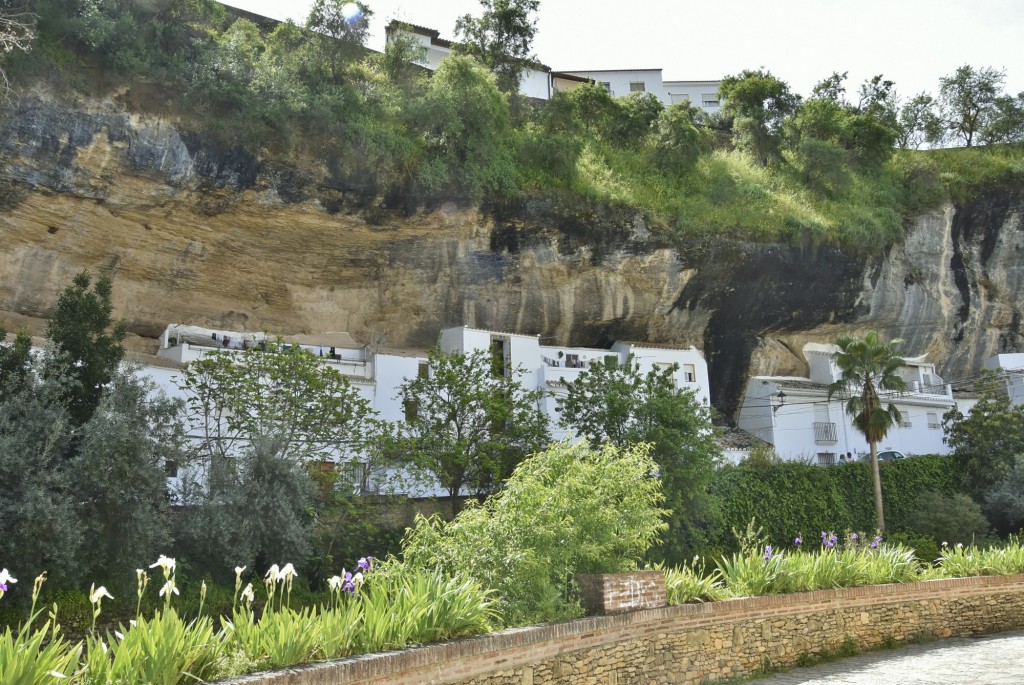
199 234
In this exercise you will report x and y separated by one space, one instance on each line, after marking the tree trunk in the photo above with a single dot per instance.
876 481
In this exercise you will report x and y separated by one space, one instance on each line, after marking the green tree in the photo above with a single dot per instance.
824 166
261 514
678 140
967 101
403 59
1007 122
340 29
464 121
985 442
569 509
125 452
759 104
468 426
87 342
918 122
15 360
1005 502
635 118
868 366
278 392
615 403
501 39
42 531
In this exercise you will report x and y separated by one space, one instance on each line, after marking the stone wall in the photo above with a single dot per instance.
687 644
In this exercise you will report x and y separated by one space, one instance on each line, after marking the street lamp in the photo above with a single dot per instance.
782 400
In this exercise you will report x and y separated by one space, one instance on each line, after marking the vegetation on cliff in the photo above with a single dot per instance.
771 166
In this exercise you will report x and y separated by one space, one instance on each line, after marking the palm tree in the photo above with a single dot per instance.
868 365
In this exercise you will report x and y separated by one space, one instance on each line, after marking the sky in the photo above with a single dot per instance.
911 42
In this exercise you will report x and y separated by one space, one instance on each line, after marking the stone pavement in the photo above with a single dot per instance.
990 660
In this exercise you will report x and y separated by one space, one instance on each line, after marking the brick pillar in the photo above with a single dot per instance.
612 593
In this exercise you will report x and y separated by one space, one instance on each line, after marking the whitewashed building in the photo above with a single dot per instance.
543 83
1010 370
377 373
796 417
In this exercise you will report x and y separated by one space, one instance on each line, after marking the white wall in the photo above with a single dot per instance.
619 81
1013 365
700 94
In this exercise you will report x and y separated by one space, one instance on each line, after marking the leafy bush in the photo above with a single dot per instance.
952 518
570 509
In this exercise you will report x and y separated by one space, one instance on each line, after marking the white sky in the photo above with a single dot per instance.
912 42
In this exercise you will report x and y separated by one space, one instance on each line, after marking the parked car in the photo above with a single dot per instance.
884 455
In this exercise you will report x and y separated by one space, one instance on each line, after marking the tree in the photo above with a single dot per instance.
759 104
17 30
41 528
985 443
501 39
403 59
678 140
967 101
615 403
14 361
468 425
1007 122
464 120
867 366
125 451
636 115
1005 502
87 342
278 392
569 509
917 123
340 28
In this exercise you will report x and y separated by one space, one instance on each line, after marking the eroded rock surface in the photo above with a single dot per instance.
199 234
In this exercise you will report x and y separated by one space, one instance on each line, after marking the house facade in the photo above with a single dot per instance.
796 416
1010 370
543 83
378 373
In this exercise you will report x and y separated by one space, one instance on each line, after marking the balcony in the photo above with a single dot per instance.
825 433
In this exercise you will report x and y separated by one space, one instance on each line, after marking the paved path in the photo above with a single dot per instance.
992 660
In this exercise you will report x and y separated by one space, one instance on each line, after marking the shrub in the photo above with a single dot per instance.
952 518
570 509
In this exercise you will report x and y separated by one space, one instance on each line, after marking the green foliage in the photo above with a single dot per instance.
468 424
823 165
464 121
789 496
985 443
677 140
759 103
41 527
612 402
338 35
255 509
949 518
1005 502
120 477
967 101
567 510
501 39
37 653
692 583
14 361
635 117
960 561
86 341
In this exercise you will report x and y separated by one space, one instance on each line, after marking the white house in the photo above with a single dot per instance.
543 83
796 417
378 373
1010 367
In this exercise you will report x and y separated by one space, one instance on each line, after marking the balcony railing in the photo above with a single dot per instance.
825 433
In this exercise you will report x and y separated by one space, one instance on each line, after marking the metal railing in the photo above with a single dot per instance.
825 433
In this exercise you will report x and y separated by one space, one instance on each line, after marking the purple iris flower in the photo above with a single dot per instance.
363 564
798 541
856 538
874 543
768 552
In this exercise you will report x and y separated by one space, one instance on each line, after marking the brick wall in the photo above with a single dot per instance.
687 644
613 593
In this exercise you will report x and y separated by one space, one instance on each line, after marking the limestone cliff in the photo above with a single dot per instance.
199 234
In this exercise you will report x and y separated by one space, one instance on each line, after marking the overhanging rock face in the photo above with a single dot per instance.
689 644
221 238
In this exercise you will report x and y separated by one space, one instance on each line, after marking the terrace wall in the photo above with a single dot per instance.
687 644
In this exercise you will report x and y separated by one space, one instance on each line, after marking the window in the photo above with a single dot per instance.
689 373
572 361
355 474
680 97
933 421
171 468
826 458
636 87
906 424
423 371
709 99
500 357
606 85
412 410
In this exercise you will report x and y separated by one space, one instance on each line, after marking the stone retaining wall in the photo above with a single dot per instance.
687 644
